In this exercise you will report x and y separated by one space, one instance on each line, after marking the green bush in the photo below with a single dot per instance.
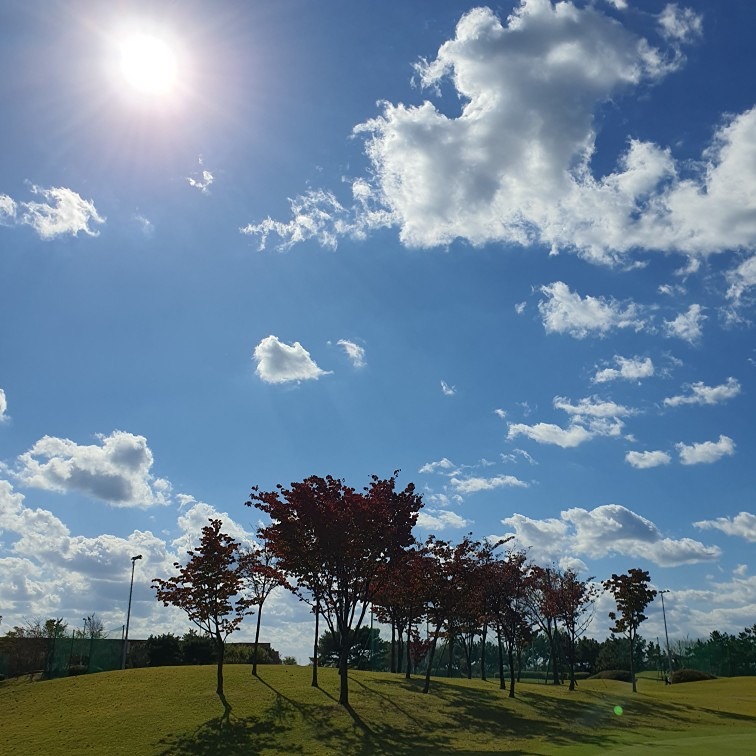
622 675
690 675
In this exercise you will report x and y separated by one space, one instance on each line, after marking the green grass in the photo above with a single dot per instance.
174 710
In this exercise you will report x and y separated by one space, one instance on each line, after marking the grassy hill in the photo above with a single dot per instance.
174 710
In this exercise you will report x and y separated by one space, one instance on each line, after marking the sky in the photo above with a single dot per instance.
509 250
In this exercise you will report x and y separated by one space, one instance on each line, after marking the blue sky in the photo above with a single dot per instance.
508 249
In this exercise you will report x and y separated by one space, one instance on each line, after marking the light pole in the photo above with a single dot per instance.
666 634
128 612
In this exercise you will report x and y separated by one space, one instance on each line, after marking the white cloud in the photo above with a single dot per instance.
447 389
591 407
278 362
116 472
603 531
742 278
548 433
500 413
3 406
706 452
7 210
442 464
688 325
315 215
515 166
703 394
742 525
355 352
630 369
62 211
566 312
680 24
645 459
475 484
436 520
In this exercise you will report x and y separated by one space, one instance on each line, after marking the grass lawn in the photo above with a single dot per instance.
174 710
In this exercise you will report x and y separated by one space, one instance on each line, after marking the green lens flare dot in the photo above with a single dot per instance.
618 710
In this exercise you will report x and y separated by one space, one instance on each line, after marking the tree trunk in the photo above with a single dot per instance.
393 645
632 668
510 653
344 643
450 665
502 684
431 654
408 672
483 652
257 641
221 651
315 654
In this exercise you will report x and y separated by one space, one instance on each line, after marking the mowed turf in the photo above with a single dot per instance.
174 710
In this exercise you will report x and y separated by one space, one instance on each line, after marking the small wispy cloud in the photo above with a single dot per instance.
355 352
447 389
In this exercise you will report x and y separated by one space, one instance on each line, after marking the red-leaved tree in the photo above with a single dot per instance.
331 541
207 589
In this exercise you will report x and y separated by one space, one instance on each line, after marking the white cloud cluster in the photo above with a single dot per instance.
3 406
278 362
604 531
643 460
117 471
706 452
687 326
700 393
629 369
742 525
60 211
590 418
564 311
514 165
437 520
203 180
442 464
475 484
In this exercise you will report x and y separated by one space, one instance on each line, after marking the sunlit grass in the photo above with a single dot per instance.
174 710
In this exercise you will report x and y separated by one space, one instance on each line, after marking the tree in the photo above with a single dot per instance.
506 586
260 571
163 650
332 540
93 627
367 648
206 589
574 598
632 595
541 592
444 570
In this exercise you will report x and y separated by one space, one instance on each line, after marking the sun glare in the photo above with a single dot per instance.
148 64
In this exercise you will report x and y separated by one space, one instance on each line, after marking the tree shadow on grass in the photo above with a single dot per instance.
231 735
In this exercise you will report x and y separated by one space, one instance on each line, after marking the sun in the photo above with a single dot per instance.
148 64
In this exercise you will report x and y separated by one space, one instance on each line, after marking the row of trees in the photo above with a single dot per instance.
343 551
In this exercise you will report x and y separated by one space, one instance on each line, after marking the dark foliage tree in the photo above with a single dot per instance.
163 650
208 589
332 540
260 571
505 582
444 569
574 600
541 598
632 595
368 650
